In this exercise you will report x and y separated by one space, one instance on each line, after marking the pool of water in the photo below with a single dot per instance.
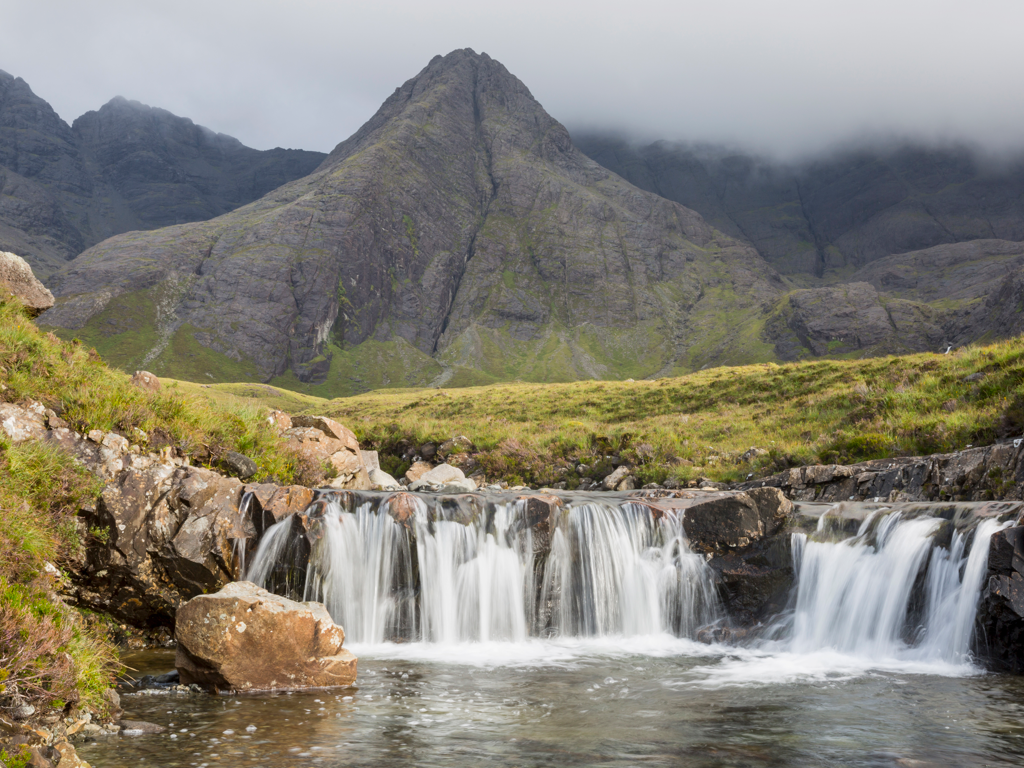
655 701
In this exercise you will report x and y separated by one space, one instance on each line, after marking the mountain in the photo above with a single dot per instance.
123 167
459 236
831 216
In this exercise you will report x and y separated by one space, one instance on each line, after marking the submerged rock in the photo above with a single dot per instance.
244 638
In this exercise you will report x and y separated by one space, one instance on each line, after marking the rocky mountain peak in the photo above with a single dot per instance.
458 229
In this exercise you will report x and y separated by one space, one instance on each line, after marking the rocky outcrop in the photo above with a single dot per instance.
848 209
325 441
18 282
458 228
161 531
123 167
244 638
1000 620
976 474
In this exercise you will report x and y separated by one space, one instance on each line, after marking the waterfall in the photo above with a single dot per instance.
474 569
610 570
890 591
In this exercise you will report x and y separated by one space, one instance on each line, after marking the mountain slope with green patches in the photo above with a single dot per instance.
460 229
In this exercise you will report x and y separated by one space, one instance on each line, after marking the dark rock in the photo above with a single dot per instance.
245 638
240 466
124 167
755 581
1000 621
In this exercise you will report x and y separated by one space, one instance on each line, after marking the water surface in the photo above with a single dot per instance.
656 701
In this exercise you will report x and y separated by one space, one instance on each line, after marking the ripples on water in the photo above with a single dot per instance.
656 701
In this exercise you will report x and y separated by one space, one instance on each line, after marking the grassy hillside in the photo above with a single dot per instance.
49 655
702 423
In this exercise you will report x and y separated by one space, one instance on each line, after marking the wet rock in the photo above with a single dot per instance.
416 471
17 281
428 451
773 508
403 507
722 521
239 465
146 380
755 581
1000 620
245 638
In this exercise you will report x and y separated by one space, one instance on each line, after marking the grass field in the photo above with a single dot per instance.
704 424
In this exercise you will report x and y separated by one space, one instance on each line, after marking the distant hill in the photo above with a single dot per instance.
123 167
831 216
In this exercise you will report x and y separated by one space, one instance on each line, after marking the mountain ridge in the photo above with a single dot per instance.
460 237
123 167
463 231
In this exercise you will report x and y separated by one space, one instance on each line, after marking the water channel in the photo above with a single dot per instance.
589 658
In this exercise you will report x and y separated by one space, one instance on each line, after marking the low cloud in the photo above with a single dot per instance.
786 78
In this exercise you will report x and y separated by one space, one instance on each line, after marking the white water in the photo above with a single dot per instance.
612 571
617 581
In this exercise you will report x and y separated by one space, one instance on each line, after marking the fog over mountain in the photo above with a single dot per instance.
789 78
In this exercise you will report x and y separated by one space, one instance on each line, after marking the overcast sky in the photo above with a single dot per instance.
784 76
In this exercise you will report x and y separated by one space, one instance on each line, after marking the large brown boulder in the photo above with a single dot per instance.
17 281
244 638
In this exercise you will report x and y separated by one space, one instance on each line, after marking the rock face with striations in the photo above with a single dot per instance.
123 167
458 232
244 638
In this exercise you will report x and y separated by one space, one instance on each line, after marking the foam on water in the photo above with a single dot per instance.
900 596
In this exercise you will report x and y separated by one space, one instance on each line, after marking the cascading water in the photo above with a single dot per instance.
862 596
611 570
903 587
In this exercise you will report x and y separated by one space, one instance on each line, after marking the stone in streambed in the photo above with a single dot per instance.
244 638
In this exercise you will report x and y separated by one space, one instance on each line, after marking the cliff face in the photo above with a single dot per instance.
124 167
459 232
836 213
